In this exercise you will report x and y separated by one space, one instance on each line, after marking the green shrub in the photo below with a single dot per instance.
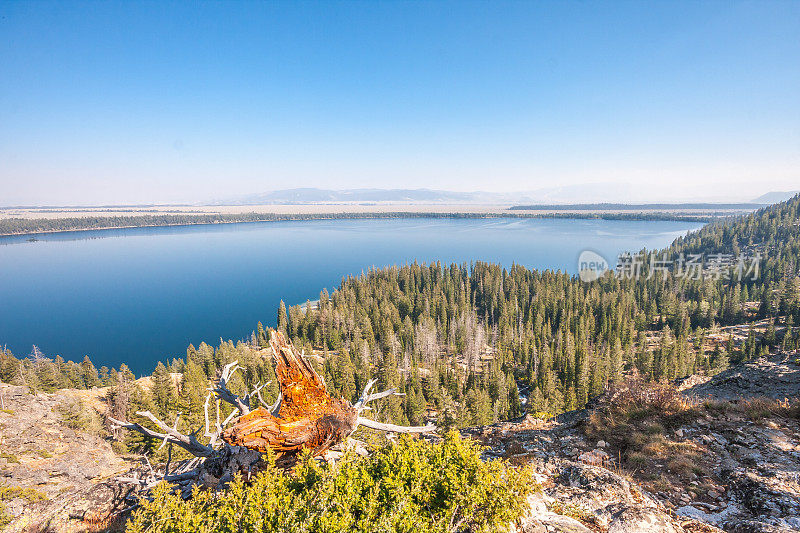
638 460
654 428
76 415
30 494
5 518
10 457
11 493
410 487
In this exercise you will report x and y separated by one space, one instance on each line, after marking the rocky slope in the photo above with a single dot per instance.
70 470
711 465
775 376
581 489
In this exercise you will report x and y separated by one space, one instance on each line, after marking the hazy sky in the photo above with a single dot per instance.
135 102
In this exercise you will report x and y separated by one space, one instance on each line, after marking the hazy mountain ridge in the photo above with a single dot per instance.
634 207
774 197
600 194
310 194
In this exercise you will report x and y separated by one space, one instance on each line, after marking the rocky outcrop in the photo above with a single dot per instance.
775 376
71 469
741 472
576 494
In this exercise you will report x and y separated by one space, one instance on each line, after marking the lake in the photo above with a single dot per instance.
141 295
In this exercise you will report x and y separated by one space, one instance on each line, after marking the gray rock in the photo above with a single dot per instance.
562 524
749 379
639 519
539 519
692 512
531 526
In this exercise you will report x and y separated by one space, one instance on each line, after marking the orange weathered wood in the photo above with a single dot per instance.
308 417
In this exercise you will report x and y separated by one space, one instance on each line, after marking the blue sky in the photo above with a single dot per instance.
139 102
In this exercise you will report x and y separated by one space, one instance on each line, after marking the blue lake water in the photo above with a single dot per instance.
141 295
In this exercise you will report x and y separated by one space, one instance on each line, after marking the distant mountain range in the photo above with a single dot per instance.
708 206
592 193
313 195
774 197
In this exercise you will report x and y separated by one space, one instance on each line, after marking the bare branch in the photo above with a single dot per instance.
205 410
174 428
260 399
366 397
230 417
143 483
213 436
191 474
392 428
225 394
275 408
384 394
256 391
150 466
187 442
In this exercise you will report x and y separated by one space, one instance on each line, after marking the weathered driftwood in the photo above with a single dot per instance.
307 416
170 435
304 417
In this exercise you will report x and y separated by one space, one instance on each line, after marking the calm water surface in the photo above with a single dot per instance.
143 294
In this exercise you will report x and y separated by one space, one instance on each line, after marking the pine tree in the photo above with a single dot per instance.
118 399
192 396
89 374
138 400
163 391
10 368
345 375
615 363
282 321
46 377
570 402
770 337
261 336
719 360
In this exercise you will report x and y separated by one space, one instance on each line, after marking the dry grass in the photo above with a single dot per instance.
759 408
681 465
755 409
639 421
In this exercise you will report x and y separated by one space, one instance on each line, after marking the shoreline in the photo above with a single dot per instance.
86 224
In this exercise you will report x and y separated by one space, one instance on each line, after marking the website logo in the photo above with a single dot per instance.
591 266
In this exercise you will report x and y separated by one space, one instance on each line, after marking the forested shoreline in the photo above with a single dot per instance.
34 226
472 344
